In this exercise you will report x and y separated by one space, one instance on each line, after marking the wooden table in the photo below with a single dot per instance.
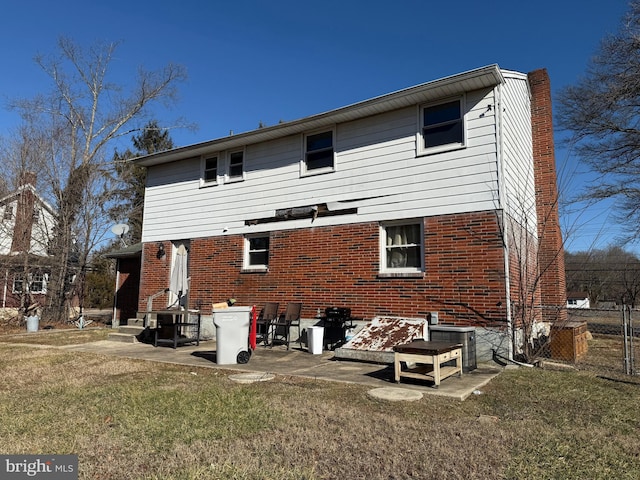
428 358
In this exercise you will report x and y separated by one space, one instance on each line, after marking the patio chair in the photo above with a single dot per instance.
282 325
265 320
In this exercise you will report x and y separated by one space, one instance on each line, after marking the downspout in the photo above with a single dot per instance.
502 199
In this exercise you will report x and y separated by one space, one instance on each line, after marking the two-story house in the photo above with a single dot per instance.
26 224
417 201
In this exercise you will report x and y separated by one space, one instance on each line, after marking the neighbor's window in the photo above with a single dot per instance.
38 283
236 165
8 213
442 126
210 169
18 284
402 247
256 252
318 153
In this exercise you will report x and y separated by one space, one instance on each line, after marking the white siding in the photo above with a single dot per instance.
376 168
6 227
518 151
41 231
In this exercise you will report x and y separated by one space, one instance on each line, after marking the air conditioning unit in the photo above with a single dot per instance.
456 334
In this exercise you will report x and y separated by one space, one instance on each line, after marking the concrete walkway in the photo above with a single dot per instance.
297 362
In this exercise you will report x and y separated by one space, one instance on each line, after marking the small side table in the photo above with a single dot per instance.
428 357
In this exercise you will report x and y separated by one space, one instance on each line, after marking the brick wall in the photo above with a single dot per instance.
339 266
154 274
551 252
524 276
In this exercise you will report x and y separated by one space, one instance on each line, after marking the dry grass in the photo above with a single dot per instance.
139 420
60 337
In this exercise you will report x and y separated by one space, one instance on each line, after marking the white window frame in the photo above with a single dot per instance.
27 286
227 174
420 139
44 280
315 171
20 278
247 252
203 170
383 248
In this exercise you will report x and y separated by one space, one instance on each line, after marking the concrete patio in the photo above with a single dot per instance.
296 362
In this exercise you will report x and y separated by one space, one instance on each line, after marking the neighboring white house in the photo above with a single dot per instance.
578 300
26 225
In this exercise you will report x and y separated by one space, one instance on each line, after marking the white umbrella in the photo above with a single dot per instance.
179 283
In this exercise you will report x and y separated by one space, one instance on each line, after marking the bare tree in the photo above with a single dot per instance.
84 113
601 112
611 274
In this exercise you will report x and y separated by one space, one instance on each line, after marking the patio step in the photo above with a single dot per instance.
130 329
122 337
126 333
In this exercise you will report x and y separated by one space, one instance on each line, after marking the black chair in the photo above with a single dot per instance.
282 325
265 321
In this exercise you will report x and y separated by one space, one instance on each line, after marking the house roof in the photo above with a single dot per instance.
15 194
577 295
484 77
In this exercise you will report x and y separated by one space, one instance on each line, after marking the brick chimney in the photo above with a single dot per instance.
21 241
550 250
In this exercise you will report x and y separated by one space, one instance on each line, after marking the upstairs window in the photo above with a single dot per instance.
256 255
402 248
8 213
236 166
442 126
210 170
318 152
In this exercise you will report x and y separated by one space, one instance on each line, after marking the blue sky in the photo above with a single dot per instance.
253 61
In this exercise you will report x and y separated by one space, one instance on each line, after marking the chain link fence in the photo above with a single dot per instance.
612 340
